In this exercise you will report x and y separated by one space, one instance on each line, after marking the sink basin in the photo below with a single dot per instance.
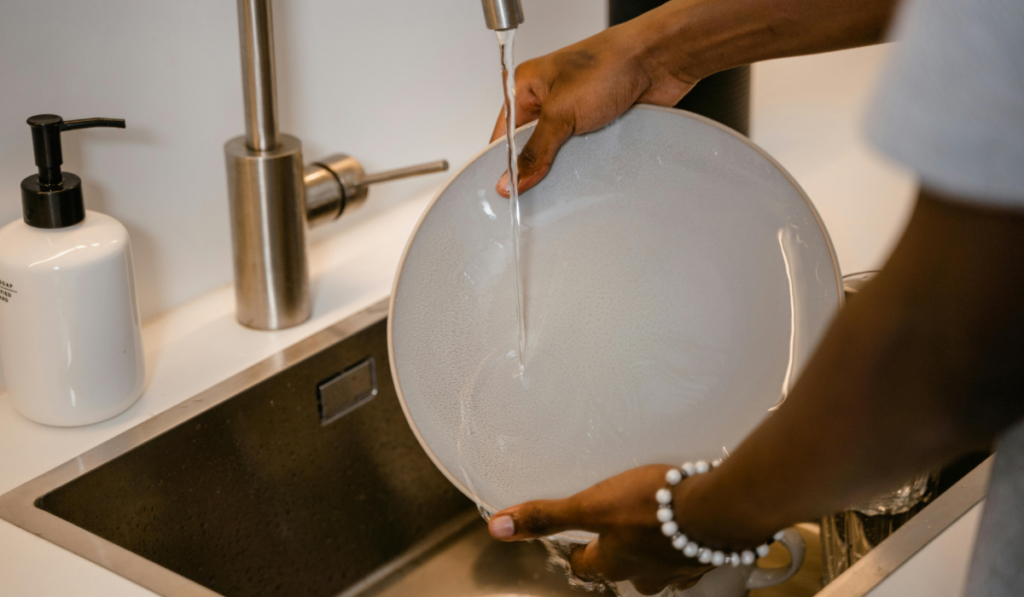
257 495
300 476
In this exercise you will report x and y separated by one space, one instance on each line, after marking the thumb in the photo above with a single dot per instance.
540 518
535 160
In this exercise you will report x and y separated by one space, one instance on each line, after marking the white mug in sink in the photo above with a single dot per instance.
727 581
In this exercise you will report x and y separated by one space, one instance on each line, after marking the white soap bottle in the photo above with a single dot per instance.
70 336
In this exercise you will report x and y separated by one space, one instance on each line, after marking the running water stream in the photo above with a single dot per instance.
506 43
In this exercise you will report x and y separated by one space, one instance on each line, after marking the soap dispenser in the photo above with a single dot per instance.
70 336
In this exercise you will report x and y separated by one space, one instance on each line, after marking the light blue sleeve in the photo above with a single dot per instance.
950 104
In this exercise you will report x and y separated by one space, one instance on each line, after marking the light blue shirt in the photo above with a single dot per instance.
950 106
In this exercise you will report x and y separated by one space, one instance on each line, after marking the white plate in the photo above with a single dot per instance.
676 280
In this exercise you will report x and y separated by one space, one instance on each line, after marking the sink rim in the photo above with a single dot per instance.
897 549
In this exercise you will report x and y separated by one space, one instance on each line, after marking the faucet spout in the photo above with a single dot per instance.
503 14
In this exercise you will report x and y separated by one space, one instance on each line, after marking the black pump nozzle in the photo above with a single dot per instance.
54 199
46 130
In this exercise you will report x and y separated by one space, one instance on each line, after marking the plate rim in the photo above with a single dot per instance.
481 504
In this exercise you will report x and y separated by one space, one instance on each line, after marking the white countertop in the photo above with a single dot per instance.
806 113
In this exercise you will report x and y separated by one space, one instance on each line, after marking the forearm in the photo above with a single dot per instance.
921 367
690 39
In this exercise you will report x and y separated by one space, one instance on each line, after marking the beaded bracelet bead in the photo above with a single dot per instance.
690 549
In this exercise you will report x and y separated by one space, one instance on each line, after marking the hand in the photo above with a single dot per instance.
583 87
659 56
622 510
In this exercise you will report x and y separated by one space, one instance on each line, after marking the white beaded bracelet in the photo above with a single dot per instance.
690 549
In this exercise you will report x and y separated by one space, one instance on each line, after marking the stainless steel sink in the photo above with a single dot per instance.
300 476
247 490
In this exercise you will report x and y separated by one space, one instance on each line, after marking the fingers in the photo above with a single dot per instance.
539 518
625 500
553 130
687 582
597 561
591 561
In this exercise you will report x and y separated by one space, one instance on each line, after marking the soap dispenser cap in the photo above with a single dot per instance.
53 199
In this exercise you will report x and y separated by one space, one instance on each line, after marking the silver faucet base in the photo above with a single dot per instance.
268 224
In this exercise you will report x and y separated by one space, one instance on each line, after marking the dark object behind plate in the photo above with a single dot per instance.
723 97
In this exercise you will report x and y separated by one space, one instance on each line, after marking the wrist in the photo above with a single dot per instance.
667 47
718 520
687 40
727 549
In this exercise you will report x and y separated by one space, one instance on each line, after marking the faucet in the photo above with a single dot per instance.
503 14
273 198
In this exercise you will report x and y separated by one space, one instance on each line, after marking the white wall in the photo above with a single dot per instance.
391 82
809 114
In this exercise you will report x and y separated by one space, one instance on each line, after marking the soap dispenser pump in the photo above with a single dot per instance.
70 334
53 199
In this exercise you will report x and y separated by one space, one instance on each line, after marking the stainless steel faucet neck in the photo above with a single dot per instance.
256 36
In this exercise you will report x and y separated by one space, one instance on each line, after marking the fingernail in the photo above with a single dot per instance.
502 527
503 183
